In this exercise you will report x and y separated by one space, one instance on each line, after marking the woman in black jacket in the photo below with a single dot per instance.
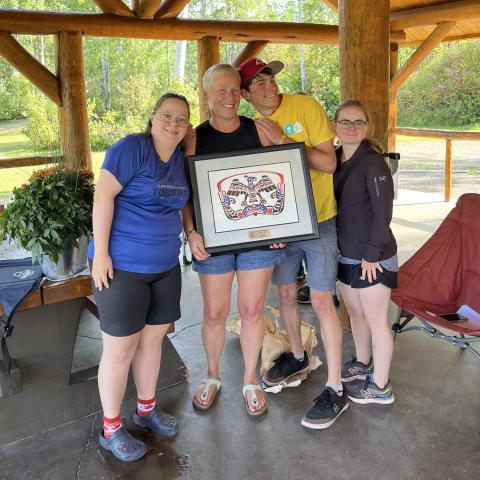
367 268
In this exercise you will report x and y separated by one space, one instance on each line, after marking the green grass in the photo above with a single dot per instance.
14 143
14 177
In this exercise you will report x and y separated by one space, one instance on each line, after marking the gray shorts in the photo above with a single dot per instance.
320 257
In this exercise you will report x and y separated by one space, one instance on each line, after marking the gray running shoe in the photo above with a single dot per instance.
355 370
368 391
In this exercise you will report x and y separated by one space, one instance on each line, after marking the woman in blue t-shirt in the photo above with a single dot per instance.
136 226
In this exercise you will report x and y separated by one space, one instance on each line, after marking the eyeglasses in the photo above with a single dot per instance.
347 123
169 118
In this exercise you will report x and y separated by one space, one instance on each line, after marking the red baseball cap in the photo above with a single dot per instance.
253 66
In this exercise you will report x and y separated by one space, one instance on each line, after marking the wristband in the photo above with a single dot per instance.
190 232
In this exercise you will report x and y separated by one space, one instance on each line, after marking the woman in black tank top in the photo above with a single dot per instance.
225 131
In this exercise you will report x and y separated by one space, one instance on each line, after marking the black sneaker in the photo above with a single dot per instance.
286 368
327 407
369 392
355 370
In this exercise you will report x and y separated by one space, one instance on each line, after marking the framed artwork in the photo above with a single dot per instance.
253 197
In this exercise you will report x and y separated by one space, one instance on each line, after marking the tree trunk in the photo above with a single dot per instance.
107 96
303 75
180 53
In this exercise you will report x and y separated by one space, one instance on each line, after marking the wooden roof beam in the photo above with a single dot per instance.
148 8
30 67
29 22
115 7
420 54
251 49
171 8
333 4
453 11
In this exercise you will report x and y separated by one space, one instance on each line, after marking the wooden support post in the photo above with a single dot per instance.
251 49
115 7
73 116
392 110
343 315
333 4
364 39
420 54
148 8
448 169
29 67
208 54
171 8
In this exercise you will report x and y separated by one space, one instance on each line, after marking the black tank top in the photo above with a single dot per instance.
210 140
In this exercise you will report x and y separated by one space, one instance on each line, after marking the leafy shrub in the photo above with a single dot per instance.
50 212
43 129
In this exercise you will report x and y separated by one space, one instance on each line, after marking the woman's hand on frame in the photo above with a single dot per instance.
197 247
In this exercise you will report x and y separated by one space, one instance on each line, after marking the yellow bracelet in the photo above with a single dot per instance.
282 139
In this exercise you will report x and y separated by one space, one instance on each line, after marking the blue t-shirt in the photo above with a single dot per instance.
146 224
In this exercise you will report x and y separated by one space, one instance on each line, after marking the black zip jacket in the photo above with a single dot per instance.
365 209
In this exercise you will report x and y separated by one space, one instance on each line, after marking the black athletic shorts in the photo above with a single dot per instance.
350 275
138 299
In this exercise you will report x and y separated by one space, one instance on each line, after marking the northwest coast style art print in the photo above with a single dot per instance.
253 197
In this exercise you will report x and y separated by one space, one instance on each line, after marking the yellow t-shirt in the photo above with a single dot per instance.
303 119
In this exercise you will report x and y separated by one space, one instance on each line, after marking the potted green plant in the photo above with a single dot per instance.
51 216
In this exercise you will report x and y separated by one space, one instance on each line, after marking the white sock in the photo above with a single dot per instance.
300 356
337 388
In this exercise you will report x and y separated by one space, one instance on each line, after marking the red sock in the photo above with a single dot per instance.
144 407
110 426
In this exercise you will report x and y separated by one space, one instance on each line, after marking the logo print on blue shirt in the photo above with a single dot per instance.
171 191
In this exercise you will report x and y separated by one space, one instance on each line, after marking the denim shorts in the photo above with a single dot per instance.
320 258
230 262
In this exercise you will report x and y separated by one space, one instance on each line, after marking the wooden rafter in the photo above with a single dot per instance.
115 7
30 67
453 11
171 8
251 49
333 4
148 8
420 54
23 22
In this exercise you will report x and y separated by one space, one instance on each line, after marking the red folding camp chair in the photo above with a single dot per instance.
443 275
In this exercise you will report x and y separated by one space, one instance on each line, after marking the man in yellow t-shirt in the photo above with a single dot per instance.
287 118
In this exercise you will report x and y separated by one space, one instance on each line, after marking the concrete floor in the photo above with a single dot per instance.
431 432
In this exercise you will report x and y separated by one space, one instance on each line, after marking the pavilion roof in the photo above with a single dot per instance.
412 21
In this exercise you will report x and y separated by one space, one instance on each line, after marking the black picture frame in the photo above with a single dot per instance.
256 197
